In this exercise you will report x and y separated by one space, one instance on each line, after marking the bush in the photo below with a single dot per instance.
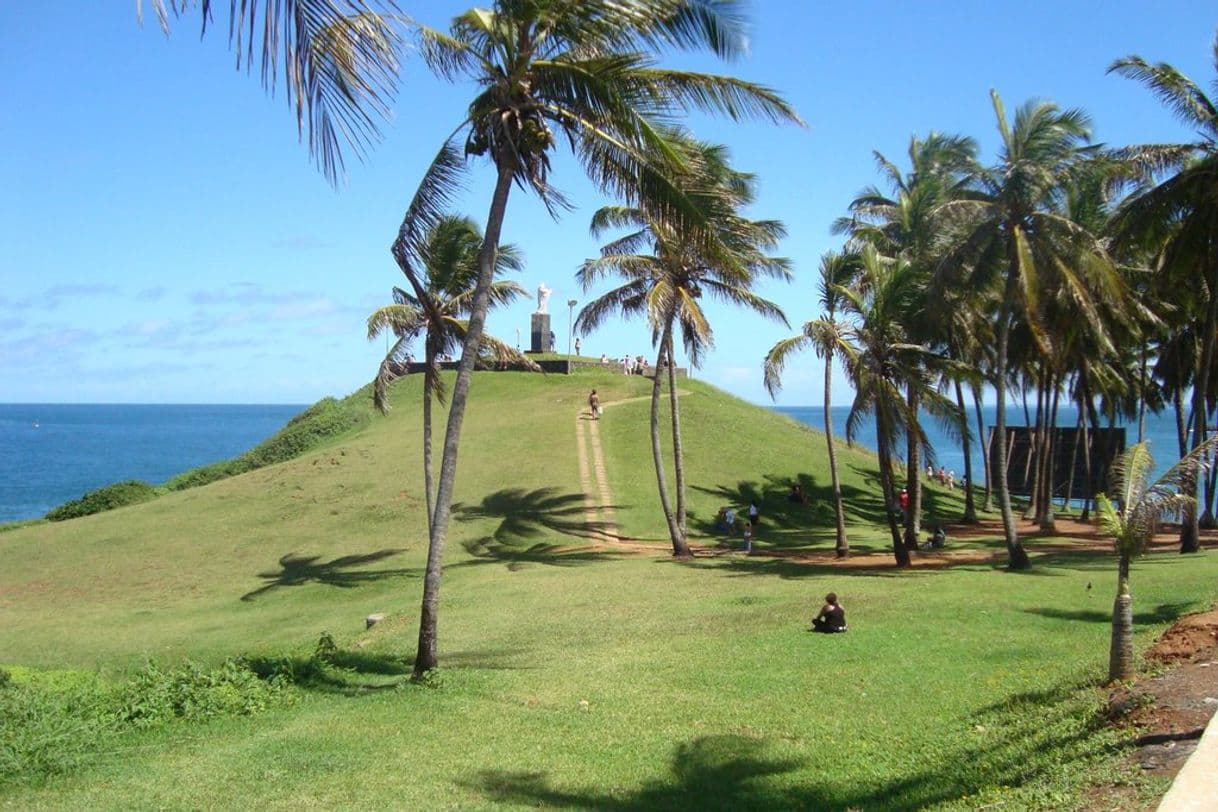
323 421
193 692
51 723
50 728
131 492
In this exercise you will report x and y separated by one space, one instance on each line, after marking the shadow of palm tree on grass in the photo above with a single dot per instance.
526 518
1026 739
711 772
297 570
1163 613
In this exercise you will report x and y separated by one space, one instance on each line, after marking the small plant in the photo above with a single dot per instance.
326 650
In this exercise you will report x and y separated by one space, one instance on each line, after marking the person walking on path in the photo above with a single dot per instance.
594 405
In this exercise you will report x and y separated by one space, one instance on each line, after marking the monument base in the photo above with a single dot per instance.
539 335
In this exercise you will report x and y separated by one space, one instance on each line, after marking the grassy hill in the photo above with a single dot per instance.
573 673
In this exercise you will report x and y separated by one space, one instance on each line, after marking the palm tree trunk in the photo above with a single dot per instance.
1085 423
1120 652
913 477
886 487
680 547
425 657
988 497
1035 458
970 504
1190 526
842 547
678 452
1049 470
428 481
1017 557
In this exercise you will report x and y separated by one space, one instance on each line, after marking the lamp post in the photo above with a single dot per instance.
571 303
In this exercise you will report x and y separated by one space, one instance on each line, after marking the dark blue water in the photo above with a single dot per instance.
1160 434
51 453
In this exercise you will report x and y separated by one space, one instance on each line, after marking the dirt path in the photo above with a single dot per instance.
593 481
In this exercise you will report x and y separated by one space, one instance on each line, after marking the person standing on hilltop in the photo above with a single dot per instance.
594 405
577 346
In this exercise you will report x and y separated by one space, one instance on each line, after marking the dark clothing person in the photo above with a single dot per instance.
832 617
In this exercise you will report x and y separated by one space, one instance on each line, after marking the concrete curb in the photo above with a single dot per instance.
1195 788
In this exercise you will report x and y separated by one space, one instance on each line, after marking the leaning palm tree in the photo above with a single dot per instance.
827 338
882 363
1132 522
1177 219
1018 236
911 225
723 257
337 60
434 310
585 71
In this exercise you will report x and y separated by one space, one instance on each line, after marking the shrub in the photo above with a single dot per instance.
323 421
131 492
193 692
50 728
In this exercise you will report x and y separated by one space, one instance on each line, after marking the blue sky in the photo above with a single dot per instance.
167 240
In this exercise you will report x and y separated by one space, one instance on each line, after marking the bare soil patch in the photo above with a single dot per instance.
1168 709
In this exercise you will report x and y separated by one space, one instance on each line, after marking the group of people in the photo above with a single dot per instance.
942 476
638 365
728 520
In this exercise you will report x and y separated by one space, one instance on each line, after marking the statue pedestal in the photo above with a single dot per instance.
539 335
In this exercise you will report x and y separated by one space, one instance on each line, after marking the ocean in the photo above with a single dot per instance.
52 453
1160 434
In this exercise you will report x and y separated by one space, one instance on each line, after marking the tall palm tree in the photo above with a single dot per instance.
587 71
1132 521
1018 235
882 363
911 224
1179 219
723 258
435 310
827 338
337 60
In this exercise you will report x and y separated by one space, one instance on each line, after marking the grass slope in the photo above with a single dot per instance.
572 674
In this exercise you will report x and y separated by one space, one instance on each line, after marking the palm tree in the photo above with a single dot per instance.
1017 233
882 363
337 59
827 337
723 257
1132 521
440 299
1178 218
585 70
912 225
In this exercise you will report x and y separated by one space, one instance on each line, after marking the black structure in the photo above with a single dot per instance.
1068 453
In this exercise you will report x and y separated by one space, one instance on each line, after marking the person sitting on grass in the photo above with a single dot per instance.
832 617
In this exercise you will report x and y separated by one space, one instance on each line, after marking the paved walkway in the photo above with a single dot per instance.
1195 788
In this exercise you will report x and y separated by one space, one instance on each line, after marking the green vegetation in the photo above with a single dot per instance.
574 673
120 494
321 423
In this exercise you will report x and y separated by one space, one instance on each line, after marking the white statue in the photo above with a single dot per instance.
543 298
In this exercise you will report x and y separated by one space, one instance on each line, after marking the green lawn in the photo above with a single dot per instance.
572 675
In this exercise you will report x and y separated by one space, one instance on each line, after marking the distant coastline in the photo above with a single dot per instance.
58 451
